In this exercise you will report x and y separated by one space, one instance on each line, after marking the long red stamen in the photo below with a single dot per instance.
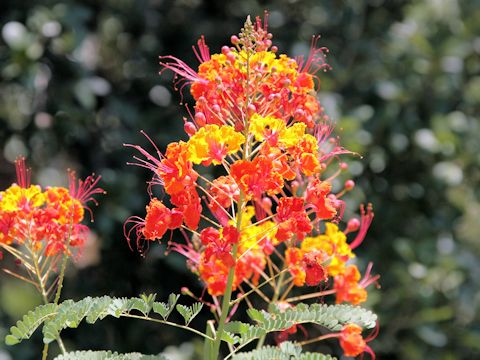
150 162
138 226
203 53
315 60
23 173
365 222
367 278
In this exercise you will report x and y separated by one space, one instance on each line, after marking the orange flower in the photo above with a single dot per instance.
176 170
293 258
257 176
351 340
49 219
68 210
348 288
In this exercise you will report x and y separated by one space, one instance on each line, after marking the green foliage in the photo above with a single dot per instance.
189 312
70 314
107 355
165 309
332 317
285 351
29 323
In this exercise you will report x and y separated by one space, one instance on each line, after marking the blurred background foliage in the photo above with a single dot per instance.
80 78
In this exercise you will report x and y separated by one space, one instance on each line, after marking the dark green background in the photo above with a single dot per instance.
80 78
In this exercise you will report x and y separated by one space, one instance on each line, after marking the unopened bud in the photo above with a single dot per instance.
189 128
353 225
234 40
231 57
343 166
185 291
200 119
225 50
266 203
349 184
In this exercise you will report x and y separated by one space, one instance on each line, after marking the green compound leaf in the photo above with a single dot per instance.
285 351
70 314
30 322
166 309
332 317
107 355
189 313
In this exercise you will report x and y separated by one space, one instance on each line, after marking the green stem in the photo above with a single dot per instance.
275 297
240 204
228 289
61 276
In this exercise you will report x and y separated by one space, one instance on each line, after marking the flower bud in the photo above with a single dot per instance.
352 225
200 119
349 185
225 50
189 128
267 203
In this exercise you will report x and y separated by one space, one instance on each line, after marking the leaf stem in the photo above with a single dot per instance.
168 323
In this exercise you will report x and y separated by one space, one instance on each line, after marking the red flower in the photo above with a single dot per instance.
315 272
188 204
159 219
219 244
317 198
292 219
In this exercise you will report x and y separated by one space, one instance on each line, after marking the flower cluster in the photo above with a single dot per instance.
47 221
272 217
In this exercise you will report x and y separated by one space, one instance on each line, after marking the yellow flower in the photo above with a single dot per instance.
334 244
267 127
275 131
294 133
15 196
212 143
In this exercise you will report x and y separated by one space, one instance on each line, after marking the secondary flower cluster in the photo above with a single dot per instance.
271 215
48 221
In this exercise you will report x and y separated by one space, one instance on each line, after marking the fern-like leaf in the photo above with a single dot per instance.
189 313
166 309
30 322
107 355
285 351
332 317
70 314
